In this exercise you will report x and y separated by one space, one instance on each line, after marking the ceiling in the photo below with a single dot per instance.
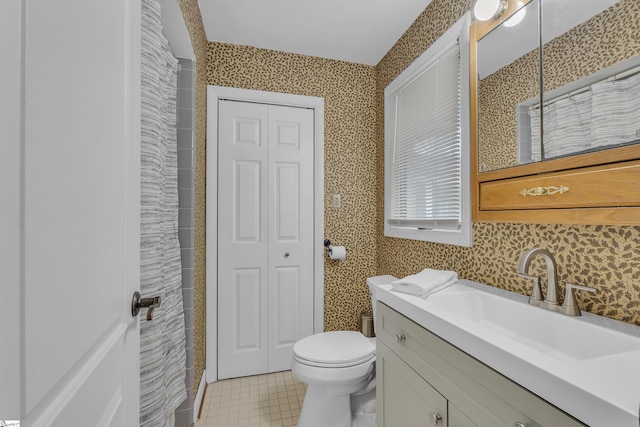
360 31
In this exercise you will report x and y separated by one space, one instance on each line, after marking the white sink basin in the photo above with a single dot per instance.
562 336
585 365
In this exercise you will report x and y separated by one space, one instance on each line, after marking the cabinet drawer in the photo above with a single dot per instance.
486 397
600 186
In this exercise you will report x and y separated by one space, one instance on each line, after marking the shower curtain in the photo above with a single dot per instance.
162 340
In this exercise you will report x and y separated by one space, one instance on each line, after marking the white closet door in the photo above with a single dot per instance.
265 236
242 239
290 231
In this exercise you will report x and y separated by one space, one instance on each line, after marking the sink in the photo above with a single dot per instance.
564 337
585 365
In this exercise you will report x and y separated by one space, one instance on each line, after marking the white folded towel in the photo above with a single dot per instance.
425 283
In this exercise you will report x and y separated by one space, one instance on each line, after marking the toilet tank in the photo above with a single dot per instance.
374 283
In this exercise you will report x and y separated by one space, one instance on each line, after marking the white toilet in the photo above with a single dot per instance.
339 370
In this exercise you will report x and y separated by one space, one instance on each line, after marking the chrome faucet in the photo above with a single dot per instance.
552 272
550 301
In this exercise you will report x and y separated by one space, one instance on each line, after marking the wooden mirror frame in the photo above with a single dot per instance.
604 186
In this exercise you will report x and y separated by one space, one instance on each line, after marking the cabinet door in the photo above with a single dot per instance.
458 419
404 397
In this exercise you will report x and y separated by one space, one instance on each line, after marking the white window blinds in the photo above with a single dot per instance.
425 148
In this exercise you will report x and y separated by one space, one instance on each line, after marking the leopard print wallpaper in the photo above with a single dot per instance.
612 37
498 97
348 90
604 257
193 20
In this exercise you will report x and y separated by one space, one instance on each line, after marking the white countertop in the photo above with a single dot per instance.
599 391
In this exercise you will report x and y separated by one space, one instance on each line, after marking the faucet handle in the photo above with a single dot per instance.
536 292
569 304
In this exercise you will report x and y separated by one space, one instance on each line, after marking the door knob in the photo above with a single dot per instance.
286 254
138 302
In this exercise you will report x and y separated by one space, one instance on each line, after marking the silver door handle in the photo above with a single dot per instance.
138 302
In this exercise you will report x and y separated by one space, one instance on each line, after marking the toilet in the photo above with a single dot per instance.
339 369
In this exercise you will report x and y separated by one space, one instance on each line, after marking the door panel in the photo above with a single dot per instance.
10 212
80 254
247 310
404 397
265 225
242 239
101 398
246 186
290 230
286 309
287 202
248 132
286 133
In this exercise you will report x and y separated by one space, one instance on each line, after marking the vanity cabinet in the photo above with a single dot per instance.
423 380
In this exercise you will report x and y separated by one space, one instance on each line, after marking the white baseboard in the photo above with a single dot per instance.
199 396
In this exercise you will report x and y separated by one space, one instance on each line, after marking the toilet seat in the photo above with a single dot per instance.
337 349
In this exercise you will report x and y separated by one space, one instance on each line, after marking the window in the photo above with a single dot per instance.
427 182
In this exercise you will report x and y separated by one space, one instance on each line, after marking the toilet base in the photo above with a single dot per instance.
321 409
364 409
366 418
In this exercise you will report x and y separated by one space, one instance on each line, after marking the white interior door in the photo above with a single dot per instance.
77 205
242 235
290 211
265 235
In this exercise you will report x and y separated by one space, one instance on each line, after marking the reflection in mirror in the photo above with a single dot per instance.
508 68
591 55
591 98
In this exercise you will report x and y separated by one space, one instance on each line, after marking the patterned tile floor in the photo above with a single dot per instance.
270 400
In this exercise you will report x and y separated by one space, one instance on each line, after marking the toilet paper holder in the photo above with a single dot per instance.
329 246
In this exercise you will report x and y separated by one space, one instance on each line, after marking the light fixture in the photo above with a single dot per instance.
484 10
516 18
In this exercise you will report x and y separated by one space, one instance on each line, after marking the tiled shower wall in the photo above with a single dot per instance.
186 133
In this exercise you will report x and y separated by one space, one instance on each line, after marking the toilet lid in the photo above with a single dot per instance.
338 348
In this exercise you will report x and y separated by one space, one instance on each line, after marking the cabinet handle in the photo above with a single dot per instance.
435 418
518 424
544 191
400 338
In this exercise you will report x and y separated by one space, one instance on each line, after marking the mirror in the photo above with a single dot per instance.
508 66
591 82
